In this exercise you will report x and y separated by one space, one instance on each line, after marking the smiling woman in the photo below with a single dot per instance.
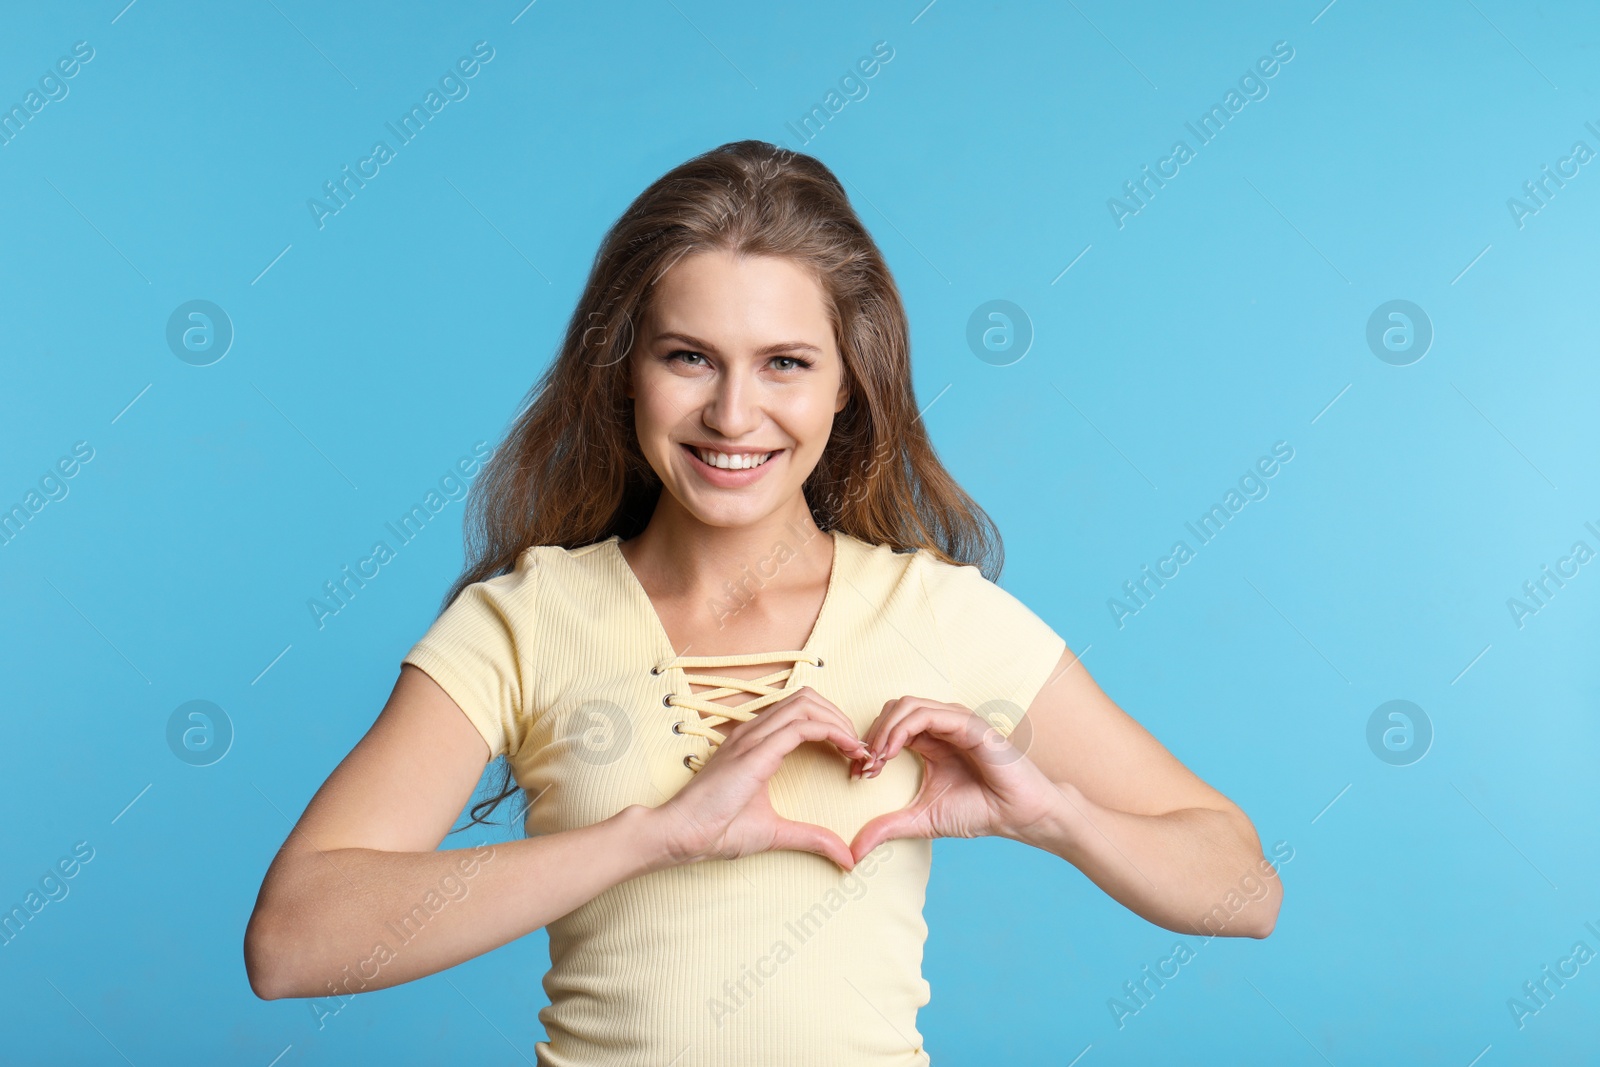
708 761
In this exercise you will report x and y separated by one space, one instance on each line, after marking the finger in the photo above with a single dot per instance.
809 837
766 753
961 729
804 701
803 704
894 713
784 738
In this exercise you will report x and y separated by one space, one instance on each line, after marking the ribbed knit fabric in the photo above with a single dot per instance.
779 959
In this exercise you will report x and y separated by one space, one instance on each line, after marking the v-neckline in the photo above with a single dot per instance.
638 590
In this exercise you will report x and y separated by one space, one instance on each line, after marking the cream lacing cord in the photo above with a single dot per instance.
767 689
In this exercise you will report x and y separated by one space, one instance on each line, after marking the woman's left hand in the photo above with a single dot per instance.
975 781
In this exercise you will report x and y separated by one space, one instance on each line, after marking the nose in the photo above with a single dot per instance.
735 407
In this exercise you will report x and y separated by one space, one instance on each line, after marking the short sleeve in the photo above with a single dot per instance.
476 650
995 647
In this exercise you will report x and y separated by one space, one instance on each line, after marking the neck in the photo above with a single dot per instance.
678 555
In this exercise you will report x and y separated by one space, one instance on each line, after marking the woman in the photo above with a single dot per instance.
728 620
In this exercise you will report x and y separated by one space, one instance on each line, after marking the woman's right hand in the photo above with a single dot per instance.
724 812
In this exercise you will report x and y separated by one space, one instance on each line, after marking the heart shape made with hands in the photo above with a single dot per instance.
976 780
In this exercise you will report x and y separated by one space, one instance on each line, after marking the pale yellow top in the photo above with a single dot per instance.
779 959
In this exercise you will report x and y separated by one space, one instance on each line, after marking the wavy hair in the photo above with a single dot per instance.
570 471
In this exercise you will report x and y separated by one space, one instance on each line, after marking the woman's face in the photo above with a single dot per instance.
736 357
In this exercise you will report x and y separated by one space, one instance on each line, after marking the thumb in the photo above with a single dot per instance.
809 837
882 828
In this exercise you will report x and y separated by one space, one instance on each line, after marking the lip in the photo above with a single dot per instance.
729 479
732 450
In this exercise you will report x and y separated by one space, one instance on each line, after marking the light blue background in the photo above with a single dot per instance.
1229 314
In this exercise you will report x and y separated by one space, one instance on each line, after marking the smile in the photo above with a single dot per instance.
734 461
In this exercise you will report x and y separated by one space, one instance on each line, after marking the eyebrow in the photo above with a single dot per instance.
765 350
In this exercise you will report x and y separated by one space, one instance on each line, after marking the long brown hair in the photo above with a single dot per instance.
570 471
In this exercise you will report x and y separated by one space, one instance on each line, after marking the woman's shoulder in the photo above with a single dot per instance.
909 576
536 565
910 560
870 557
962 590
866 545
541 580
560 557
556 552
542 565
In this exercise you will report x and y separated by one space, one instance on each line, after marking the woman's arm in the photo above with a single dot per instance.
1137 822
359 898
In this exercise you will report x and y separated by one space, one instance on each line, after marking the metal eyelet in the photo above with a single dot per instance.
819 661
655 670
676 725
666 701
686 763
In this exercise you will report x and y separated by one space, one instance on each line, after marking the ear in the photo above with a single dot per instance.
844 395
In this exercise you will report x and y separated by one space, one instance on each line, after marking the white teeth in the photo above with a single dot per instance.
743 461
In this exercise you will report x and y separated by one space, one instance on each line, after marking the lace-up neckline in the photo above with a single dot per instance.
764 690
